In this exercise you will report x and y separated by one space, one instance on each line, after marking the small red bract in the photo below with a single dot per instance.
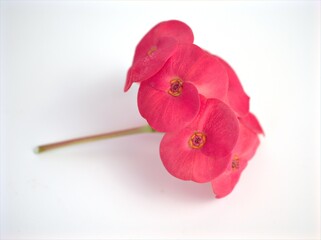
244 150
155 48
201 151
251 122
237 98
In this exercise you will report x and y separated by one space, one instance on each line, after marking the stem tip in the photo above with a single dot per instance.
36 150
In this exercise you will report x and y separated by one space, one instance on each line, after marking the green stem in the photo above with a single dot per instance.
51 146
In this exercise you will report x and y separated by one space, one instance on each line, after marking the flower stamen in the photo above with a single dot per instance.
176 87
235 162
151 50
197 140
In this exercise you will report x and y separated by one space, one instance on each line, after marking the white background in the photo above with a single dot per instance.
63 67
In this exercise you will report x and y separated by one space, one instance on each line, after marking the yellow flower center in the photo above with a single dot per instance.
197 140
176 87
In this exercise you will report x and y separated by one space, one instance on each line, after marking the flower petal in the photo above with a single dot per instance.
205 71
220 125
178 30
148 65
187 163
251 122
244 150
237 97
225 183
165 112
155 48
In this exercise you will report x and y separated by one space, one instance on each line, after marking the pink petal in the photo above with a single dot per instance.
165 112
186 163
246 145
251 122
177 30
155 48
244 150
149 64
224 185
205 71
237 97
219 123
129 80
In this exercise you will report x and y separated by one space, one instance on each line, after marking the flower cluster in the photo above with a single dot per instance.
197 99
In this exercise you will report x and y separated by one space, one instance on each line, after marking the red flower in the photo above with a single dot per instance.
243 151
156 47
202 150
170 99
198 100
